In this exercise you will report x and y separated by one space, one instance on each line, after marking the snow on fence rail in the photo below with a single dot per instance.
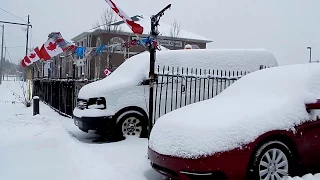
175 87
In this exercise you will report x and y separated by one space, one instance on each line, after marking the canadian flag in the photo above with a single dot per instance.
23 64
35 55
107 72
136 28
50 49
31 58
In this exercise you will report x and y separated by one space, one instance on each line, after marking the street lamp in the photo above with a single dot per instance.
310 53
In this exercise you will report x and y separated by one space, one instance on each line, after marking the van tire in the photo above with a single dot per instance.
131 124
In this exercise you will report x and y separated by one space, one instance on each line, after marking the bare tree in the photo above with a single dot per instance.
108 17
174 31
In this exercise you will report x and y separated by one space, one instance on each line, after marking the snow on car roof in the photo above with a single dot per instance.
136 68
262 101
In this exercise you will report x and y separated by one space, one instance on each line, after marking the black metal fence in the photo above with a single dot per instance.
59 94
177 86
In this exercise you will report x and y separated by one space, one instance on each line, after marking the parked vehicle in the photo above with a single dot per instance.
118 104
264 126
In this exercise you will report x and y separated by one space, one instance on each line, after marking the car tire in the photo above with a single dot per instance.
272 159
132 125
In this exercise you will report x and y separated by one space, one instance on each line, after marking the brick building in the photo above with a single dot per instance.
111 58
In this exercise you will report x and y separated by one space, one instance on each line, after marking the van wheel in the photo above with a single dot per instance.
132 125
272 161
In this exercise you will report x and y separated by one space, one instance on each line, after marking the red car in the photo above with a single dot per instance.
268 157
264 126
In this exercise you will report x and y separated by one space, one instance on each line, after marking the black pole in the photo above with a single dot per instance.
151 83
309 54
60 68
42 69
152 49
73 71
36 107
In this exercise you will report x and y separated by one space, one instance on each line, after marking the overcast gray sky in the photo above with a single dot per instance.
284 27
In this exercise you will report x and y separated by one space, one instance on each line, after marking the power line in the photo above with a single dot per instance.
13 15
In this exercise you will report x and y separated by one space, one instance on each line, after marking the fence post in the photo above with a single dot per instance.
36 106
74 71
261 67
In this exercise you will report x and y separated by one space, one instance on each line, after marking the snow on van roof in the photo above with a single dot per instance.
262 101
135 69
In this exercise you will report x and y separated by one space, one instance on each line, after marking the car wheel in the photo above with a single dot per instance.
132 125
272 161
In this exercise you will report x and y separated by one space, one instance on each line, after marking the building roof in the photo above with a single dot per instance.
164 30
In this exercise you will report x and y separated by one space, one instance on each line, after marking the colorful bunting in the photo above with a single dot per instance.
56 44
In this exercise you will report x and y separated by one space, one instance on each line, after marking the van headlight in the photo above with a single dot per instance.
97 103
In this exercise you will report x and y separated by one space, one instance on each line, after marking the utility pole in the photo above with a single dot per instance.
1 60
28 104
152 49
29 68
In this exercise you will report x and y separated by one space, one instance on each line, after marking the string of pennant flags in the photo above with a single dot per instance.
56 44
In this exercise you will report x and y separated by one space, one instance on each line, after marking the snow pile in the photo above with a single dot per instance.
38 147
306 177
135 69
270 99
49 146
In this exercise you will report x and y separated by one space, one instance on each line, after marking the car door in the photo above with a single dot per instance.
308 140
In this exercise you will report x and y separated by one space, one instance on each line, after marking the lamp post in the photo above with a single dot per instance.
310 53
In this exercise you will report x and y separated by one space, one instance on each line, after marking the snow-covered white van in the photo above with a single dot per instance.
118 104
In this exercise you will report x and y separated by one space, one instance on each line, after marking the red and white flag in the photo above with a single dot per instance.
27 61
35 55
50 49
31 58
136 28
23 64
107 72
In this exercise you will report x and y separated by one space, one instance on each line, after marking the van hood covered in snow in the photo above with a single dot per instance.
135 69
262 101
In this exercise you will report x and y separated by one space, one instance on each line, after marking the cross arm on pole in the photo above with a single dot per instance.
22 24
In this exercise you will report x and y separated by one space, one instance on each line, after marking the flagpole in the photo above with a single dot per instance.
152 76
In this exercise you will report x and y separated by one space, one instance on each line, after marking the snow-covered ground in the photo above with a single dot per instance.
49 146
306 177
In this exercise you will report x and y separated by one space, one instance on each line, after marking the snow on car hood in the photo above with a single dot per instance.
265 100
135 69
